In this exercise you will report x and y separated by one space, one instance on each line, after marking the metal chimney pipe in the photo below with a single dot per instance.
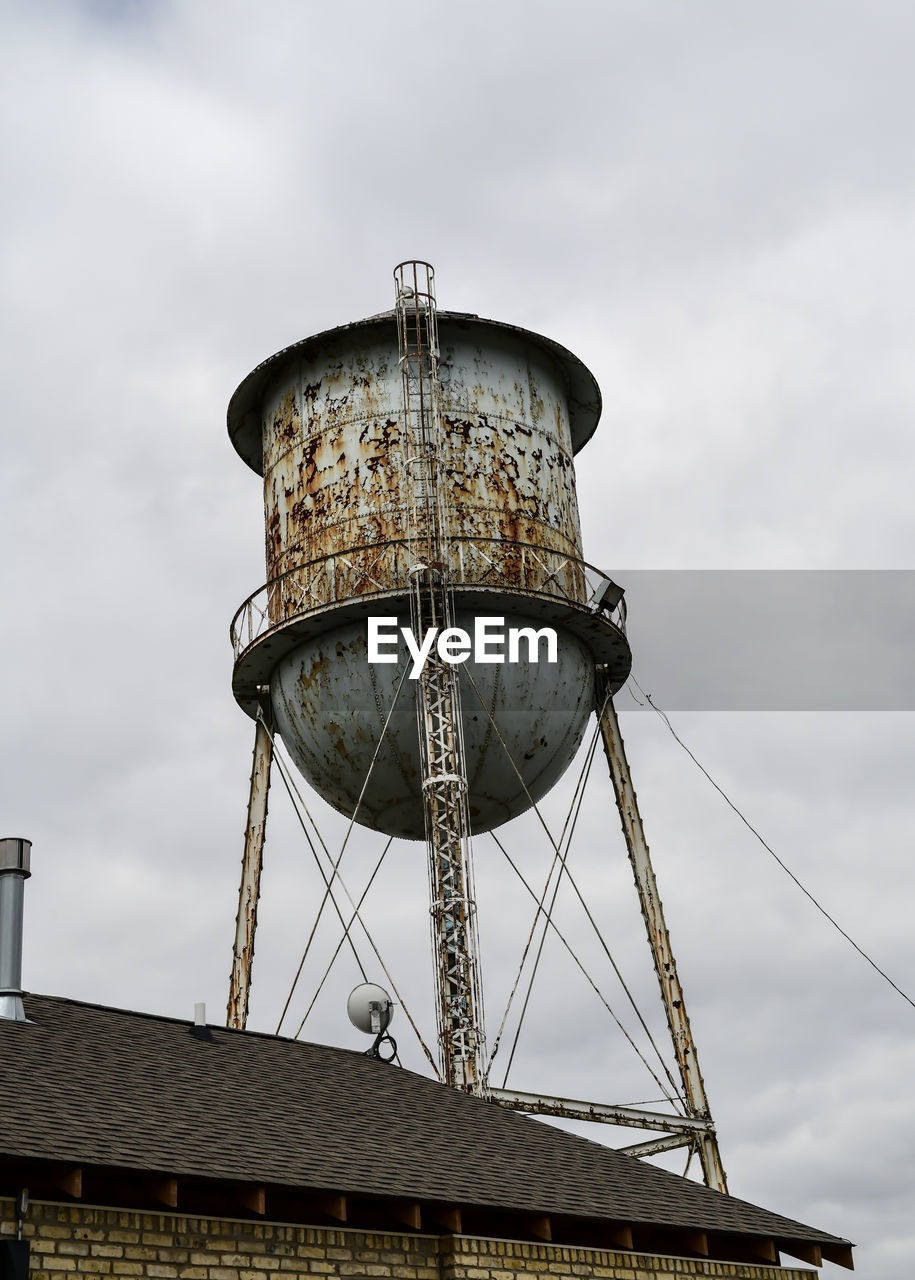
15 859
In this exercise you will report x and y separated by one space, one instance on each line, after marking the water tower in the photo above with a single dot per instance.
418 472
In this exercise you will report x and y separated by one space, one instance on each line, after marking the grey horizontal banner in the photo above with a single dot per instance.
772 640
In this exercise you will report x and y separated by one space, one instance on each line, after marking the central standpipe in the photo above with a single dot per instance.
459 1003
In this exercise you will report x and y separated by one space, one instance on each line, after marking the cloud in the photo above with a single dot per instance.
712 208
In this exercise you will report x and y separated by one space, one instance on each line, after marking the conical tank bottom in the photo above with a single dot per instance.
330 705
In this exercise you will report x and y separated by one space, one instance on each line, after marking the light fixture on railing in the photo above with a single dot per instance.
605 597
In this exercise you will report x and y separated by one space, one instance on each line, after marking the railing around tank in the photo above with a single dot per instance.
378 568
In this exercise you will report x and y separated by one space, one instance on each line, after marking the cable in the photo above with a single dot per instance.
746 822
572 881
533 928
638 1013
345 936
328 893
372 944
336 874
395 1056
580 791
335 865
577 891
596 989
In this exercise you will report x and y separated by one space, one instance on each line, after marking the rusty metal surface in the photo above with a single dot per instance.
442 756
333 456
249 889
257 661
327 417
654 1146
482 562
659 941
582 392
603 1112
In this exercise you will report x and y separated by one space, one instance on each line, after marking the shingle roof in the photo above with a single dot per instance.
107 1088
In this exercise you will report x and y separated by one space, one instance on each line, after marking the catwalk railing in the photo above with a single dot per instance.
381 568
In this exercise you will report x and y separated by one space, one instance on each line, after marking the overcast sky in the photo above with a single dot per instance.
711 204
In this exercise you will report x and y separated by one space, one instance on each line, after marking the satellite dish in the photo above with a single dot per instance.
370 1008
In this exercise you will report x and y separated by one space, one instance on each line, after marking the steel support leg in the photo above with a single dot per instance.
249 890
659 940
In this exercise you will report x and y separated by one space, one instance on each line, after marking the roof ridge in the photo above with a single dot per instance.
182 1022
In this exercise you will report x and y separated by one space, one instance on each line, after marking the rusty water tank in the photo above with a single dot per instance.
320 421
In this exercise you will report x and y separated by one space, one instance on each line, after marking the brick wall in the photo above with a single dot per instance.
466 1258
84 1241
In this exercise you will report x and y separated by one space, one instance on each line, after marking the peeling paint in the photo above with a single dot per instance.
337 506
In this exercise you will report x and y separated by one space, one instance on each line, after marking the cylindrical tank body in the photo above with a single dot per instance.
321 422
332 458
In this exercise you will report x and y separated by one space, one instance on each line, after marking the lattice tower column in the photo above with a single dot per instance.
459 1003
